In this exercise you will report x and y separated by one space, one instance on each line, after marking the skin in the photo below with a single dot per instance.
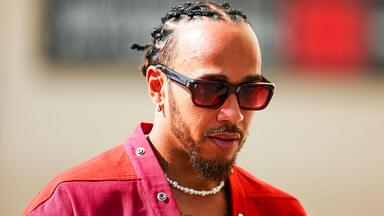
204 49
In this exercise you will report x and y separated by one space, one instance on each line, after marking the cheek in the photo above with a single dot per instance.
190 113
248 115
199 120
183 98
192 116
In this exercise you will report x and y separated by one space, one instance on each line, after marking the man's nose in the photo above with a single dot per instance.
230 111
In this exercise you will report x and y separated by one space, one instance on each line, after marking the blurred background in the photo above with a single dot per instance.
70 88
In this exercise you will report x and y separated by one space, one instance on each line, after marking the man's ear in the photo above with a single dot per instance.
155 81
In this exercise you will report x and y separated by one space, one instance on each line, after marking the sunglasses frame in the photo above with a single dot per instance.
190 83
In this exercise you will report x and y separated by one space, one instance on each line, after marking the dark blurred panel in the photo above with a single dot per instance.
102 30
377 35
98 30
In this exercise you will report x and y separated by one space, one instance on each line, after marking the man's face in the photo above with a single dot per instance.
220 51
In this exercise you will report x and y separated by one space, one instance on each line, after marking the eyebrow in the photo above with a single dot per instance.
251 78
219 77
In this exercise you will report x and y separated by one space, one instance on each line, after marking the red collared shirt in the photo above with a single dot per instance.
128 180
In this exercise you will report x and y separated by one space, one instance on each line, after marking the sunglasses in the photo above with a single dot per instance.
254 95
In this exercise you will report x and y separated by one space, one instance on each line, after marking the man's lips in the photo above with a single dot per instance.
225 140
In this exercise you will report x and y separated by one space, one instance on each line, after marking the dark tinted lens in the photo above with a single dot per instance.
254 96
208 93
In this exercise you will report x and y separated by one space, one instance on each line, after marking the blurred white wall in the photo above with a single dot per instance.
320 140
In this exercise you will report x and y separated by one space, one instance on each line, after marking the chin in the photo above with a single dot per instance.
217 168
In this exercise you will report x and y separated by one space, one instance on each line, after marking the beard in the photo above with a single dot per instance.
216 169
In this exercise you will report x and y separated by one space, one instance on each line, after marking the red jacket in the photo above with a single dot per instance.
123 181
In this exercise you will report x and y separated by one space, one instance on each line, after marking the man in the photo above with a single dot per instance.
202 71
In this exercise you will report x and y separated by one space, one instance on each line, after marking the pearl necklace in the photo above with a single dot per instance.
192 191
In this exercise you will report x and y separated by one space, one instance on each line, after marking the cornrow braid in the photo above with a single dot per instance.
159 50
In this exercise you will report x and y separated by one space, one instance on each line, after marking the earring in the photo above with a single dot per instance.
159 107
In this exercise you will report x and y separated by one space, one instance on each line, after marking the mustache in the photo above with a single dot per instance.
225 128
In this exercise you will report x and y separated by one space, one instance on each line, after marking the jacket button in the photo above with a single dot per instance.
161 196
140 151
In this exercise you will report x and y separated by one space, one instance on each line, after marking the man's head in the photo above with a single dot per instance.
212 44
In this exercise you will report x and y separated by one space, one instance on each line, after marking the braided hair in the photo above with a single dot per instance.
159 49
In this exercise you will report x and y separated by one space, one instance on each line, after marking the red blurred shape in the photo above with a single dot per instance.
325 34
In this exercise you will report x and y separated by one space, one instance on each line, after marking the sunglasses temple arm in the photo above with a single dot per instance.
175 76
